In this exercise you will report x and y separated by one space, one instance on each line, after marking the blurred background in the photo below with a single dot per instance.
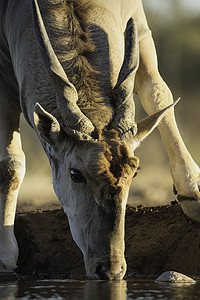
175 25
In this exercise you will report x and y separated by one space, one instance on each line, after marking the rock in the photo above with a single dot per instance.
174 277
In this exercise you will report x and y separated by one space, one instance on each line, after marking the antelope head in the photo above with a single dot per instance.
92 169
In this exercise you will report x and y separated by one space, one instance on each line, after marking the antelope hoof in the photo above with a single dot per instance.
8 276
191 208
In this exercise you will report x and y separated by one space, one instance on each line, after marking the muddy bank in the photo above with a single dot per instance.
157 239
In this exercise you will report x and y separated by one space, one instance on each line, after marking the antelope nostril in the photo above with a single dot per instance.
103 272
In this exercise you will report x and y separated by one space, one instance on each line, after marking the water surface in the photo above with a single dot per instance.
97 290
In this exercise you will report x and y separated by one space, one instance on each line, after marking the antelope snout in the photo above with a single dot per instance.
107 271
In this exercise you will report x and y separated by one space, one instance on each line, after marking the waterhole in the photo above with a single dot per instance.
97 290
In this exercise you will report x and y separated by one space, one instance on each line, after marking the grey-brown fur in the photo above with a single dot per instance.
70 67
71 38
8 177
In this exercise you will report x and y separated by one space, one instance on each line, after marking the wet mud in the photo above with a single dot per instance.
158 239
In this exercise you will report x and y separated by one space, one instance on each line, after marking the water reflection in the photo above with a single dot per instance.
149 290
64 289
8 291
115 290
97 290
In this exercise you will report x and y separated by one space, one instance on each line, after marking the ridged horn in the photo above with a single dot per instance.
75 122
124 120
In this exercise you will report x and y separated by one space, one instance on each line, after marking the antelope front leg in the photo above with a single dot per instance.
155 95
12 168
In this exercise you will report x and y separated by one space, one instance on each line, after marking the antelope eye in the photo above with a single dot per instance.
136 172
76 176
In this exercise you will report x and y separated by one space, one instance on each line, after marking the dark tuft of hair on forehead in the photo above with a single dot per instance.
110 157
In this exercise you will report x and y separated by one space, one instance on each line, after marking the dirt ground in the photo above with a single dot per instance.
158 239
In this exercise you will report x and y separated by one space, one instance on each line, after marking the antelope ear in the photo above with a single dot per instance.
147 125
47 125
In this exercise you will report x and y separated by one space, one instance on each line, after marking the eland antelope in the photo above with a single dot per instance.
71 66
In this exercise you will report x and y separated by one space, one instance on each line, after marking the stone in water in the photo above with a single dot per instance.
174 277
